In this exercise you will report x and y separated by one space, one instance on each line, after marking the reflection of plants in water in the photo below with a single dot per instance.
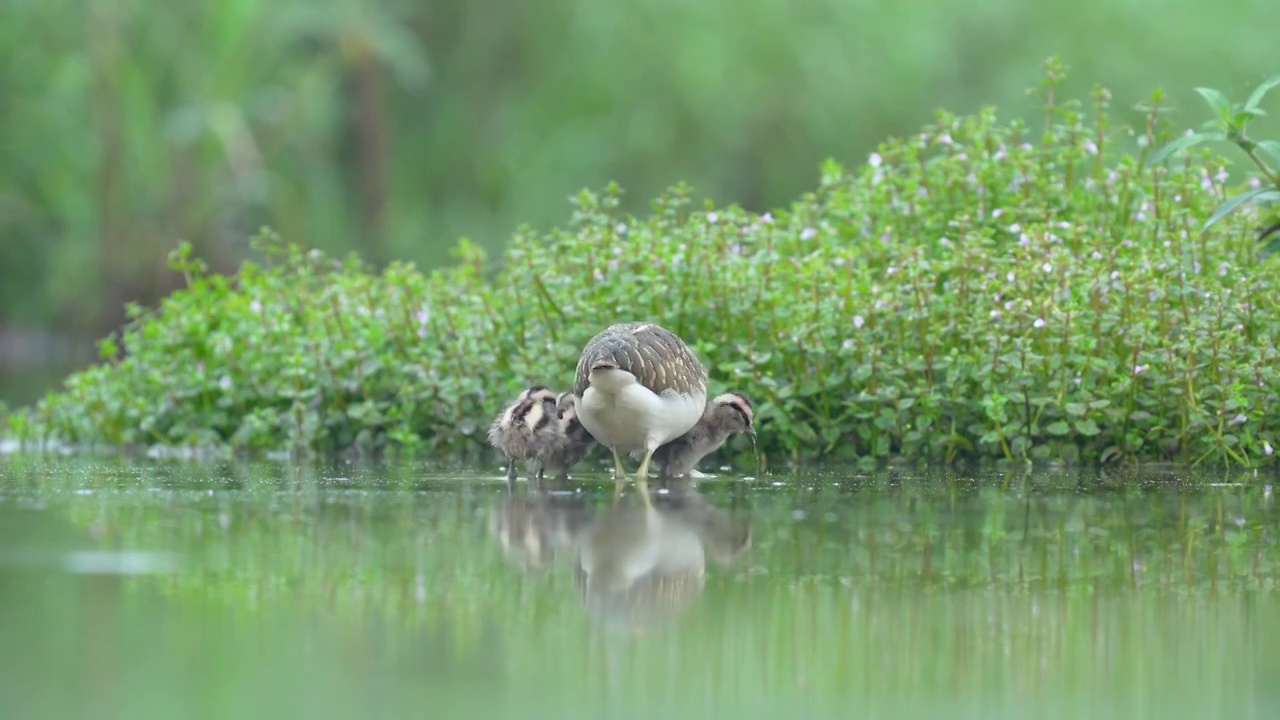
1040 590
375 539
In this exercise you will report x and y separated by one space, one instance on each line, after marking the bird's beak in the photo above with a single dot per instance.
605 365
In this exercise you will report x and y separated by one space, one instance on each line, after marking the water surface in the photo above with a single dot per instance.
174 589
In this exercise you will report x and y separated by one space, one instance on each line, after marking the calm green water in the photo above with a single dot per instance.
168 589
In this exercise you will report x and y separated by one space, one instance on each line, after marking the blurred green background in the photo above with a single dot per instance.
392 127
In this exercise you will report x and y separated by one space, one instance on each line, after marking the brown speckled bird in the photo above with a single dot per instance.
527 429
727 414
576 443
638 386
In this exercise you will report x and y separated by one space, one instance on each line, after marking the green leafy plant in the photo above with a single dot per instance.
978 290
1230 123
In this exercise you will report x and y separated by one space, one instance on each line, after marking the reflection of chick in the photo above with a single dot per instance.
725 534
637 565
527 429
576 443
725 415
532 528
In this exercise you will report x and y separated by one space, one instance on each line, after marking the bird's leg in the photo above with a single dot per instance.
511 475
642 477
618 475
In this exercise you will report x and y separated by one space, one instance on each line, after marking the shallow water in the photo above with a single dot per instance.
169 589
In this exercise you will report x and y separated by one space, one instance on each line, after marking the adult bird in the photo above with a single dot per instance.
638 386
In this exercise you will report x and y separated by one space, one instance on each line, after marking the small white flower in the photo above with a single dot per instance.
808 233
1239 418
1115 274
1097 255
713 218
1039 323
874 160
767 218
1047 267
1139 369
255 306
1009 276
1266 447
995 314
621 228
858 321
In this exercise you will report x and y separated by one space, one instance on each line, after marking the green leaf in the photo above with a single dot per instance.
1087 427
1058 428
1271 148
1272 245
1184 142
1256 195
1219 103
1075 409
1255 98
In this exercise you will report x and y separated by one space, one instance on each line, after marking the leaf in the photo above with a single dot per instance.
1087 427
1058 428
1218 102
1076 409
1259 194
1242 118
1272 246
1255 98
1184 142
1272 148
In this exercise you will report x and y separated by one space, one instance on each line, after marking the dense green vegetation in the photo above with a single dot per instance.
391 127
984 288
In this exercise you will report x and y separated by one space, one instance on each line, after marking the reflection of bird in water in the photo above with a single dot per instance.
638 386
637 565
534 527
725 415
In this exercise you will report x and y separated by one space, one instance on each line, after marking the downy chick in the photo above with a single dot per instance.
725 415
576 441
527 429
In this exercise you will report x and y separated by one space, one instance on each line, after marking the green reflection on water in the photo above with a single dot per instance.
182 590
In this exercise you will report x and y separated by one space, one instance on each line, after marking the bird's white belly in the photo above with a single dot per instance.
628 416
